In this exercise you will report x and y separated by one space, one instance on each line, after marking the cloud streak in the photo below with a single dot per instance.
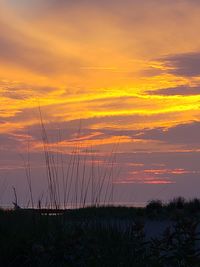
186 64
177 91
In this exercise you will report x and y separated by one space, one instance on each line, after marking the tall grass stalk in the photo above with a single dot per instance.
73 183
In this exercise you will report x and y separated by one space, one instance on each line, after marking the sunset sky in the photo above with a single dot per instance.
117 71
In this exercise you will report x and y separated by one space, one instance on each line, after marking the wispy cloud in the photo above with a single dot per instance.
179 90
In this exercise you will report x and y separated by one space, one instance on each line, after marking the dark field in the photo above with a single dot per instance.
158 235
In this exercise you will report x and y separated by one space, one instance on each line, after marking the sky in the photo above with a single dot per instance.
109 77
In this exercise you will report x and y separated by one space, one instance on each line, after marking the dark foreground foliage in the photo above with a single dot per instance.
103 237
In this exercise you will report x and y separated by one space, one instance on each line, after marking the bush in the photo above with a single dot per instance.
154 205
177 203
194 205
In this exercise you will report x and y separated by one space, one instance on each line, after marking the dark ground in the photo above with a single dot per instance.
155 236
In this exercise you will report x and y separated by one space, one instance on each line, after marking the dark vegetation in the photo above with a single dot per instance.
104 236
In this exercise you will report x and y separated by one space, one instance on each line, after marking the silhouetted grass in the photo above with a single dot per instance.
79 181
